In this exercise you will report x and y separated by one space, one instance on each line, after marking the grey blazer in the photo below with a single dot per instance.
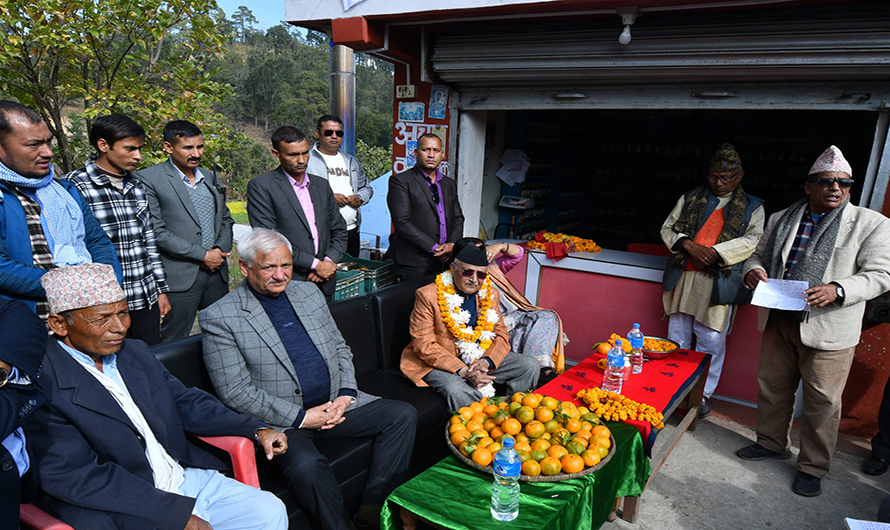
176 223
272 203
248 364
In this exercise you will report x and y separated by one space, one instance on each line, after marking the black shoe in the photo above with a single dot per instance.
874 466
759 452
807 485
704 410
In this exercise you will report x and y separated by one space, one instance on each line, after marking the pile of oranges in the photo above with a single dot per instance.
551 436
579 244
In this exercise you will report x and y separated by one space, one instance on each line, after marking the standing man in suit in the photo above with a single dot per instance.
119 204
23 337
282 359
110 445
192 226
44 222
843 253
426 214
285 200
344 172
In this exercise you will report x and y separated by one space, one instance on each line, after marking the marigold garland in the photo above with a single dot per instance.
615 407
579 244
471 342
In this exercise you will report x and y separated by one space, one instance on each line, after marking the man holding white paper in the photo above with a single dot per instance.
843 253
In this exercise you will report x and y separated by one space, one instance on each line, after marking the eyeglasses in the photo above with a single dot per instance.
723 180
329 132
480 275
827 182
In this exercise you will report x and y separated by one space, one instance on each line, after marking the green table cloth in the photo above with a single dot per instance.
458 497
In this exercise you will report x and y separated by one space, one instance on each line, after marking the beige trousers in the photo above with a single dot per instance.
784 362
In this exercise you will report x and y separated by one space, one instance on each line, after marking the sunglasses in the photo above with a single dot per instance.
329 132
435 191
480 275
723 180
827 182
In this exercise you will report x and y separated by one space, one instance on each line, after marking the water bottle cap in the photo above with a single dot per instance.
508 443
636 325
618 342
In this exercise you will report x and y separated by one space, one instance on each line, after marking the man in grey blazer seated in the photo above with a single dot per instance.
282 360
193 227
843 252
302 209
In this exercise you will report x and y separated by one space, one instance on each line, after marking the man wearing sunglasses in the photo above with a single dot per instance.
711 231
438 359
347 177
843 253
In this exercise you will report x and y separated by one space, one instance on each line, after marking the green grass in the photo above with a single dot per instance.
238 209
235 275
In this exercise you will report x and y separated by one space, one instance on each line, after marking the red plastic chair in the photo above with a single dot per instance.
240 449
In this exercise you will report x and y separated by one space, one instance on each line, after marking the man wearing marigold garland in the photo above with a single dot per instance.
711 232
459 343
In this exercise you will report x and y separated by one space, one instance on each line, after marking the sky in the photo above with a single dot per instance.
267 12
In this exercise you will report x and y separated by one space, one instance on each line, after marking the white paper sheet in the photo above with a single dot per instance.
515 166
781 294
858 524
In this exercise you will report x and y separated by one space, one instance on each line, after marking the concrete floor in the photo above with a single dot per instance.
704 485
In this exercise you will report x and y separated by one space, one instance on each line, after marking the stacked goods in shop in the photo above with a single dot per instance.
573 244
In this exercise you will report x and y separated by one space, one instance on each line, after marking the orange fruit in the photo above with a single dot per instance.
583 410
493 447
482 456
543 414
496 433
511 426
549 402
534 429
525 414
602 364
490 410
557 451
532 400
474 425
584 433
454 427
500 439
603 348
551 426
523 455
569 463
586 425
518 396
466 413
522 437
576 448
457 418
476 407
523 446
489 425
531 468
550 466
603 441
591 458
480 417
485 441
538 455
600 450
545 436
513 407
460 436
503 405
572 425
466 449
600 430
541 444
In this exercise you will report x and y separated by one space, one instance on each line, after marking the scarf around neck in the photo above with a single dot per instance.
691 218
60 216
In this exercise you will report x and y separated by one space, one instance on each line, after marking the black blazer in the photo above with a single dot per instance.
415 219
25 352
272 203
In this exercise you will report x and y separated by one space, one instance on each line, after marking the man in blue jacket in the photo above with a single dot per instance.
44 223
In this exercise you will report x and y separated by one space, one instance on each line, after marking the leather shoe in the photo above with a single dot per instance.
807 485
759 452
704 410
874 466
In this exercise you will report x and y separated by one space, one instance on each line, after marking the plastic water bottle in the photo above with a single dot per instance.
635 336
614 374
505 489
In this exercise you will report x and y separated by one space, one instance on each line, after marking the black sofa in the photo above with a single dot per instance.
376 328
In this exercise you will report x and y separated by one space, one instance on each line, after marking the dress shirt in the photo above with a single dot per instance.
199 177
15 442
168 475
301 189
440 208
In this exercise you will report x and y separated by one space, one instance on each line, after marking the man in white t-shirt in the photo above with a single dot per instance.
347 178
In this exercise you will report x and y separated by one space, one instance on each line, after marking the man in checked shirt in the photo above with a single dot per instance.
119 204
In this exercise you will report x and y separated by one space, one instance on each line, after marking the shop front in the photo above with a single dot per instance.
616 133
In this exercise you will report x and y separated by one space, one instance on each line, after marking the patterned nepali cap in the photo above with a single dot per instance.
831 160
725 160
79 286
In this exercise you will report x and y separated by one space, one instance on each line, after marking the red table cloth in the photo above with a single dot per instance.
661 384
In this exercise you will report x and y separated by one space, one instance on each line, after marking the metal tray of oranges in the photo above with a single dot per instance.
667 347
474 462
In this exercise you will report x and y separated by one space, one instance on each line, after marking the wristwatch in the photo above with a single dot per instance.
4 376
840 292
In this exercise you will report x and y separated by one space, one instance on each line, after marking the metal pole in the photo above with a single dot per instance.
343 93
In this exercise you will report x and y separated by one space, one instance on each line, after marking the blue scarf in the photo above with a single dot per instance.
60 216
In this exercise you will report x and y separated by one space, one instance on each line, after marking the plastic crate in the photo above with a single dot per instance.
349 284
378 274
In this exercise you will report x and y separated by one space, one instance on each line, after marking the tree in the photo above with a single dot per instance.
243 21
77 59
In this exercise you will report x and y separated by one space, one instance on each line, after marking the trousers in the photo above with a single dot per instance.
518 372
682 327
228 504
207 289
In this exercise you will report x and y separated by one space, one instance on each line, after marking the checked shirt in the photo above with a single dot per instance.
125 218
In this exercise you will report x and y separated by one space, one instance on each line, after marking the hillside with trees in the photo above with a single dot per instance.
73 60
